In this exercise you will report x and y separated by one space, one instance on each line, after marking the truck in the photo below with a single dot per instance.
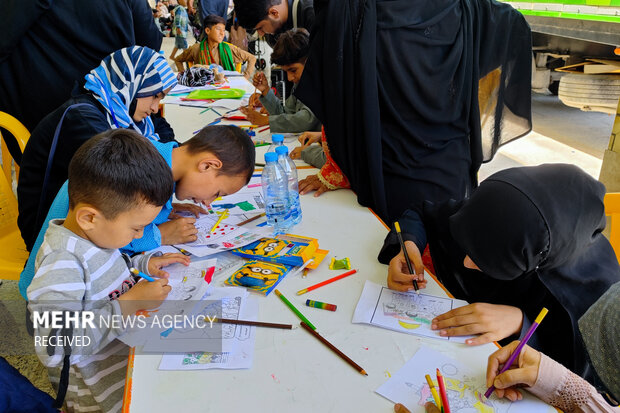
576 50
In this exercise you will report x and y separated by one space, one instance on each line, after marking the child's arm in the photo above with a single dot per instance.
273 105
59 285
186 56
300 121
240 56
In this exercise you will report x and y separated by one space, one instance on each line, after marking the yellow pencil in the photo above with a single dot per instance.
433 391
219 220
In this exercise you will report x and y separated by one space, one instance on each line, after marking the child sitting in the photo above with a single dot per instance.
118 183
217 161
214 50
290 52
180 26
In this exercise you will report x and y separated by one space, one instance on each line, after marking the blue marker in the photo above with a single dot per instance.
134 271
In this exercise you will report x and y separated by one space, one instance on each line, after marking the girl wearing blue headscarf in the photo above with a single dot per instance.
122 92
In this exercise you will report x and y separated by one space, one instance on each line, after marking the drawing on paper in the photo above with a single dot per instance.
205 358
240 202
464 387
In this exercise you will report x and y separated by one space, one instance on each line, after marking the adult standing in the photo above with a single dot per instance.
273 17
51 44
396 86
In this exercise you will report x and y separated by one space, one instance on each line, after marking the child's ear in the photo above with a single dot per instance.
87 217
209 163
273 12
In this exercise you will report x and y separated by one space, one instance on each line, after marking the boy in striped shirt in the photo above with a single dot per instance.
118 183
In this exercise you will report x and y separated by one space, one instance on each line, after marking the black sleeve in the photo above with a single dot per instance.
19 16
146 32
412 229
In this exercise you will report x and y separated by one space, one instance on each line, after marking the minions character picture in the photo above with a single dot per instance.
259 276
265 247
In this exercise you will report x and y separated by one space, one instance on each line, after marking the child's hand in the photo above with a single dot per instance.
178 231
191 208
254 117
254 101
428 408
399 278
493 322
312 183
260 82
144 295
157 263
524 372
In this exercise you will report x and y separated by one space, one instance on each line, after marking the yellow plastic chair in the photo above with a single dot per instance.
612 209
13 254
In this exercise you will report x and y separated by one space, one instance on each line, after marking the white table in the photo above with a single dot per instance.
292 371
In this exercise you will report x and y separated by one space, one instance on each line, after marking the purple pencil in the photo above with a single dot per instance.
517 351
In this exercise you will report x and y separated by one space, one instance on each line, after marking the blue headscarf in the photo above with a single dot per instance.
129 73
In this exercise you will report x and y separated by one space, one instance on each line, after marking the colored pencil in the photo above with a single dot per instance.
182 251
431 386
402 246
331 280
322 306
203 111
219 220
301 268
517 351
264 129
254 218
445 404
135 271
293 309
251 323
254 185
333 348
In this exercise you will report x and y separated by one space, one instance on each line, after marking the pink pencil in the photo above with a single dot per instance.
254 185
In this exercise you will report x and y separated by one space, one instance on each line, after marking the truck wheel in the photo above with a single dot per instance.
590 92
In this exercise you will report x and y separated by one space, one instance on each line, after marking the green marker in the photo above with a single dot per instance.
293 309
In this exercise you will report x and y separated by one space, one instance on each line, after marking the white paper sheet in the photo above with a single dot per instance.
463 387
176 100
229 103
179 88
408 312
238 346
188 287
225 237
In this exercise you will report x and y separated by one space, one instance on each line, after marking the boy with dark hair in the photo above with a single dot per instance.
213 49
217 161
273 17
118 183
290 52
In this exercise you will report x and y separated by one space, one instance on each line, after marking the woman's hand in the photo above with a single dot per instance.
312 183
399 278
178 231
194 209
156 264
308 138
524 372
493 322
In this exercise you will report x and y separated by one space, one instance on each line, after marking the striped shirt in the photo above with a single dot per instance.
74 274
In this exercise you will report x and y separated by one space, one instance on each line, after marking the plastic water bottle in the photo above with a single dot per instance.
277 139
293 187
275 190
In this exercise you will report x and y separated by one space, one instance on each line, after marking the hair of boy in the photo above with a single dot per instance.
250 12
293 46
211 20
230 144
116 170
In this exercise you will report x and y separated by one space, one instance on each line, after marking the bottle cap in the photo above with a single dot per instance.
282 150
271 157
277 137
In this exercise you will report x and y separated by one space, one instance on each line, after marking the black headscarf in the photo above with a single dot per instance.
395 83
535 233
